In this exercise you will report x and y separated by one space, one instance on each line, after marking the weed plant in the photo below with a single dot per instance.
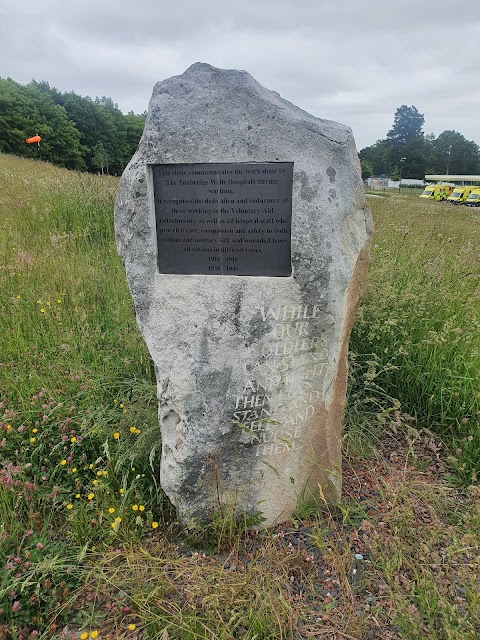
415 345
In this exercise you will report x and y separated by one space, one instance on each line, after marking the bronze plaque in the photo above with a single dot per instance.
224 219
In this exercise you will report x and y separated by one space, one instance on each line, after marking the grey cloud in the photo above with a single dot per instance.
345 60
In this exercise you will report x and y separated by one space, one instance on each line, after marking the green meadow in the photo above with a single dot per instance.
89 545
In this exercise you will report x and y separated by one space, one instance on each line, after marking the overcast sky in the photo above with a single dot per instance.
353 61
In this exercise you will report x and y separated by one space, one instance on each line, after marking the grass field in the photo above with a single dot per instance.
89 546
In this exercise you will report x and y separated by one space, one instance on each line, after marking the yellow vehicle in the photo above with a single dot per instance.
473 199
437 191
459 194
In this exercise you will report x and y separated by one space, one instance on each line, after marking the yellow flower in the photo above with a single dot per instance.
118 519
48 303
39 302
73 440
77 496
104 473
69 506
59 301
141 508
132 627
99 473
63 462
132 429
74 470
34 430
84 636
124 411
154 525
18 297
121 405
32 440
91 496
94 482
133 468
111 510
134 507
122 491
115 401
9 427
90 466
42 310
94 634
116 435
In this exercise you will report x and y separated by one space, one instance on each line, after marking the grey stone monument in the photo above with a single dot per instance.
242 225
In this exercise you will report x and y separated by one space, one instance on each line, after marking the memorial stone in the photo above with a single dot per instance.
242 225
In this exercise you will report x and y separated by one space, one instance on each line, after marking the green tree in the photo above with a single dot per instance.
367 169
454 154
100 157
407 126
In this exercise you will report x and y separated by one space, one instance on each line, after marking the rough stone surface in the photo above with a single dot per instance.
251 371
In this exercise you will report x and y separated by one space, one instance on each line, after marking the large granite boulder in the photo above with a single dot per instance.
251 369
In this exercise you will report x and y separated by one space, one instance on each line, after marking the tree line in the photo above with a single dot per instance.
407 152
77 132
94 135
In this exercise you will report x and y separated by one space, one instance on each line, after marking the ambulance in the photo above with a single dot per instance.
437 191
473 199
459 195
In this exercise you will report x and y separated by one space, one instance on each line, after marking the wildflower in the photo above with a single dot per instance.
121 405
111 510
73 440
118 519
94 482
63 462
39 545
90 466
154 525
84 636
116 435
16 606
132 429
59 301
32 440
18 297
9 427
77 496
131 627
133 468
91 496
99 473
34 430
141 508
94 634
74 470
134 507
121 491
42 310
69 506
39 302
115 401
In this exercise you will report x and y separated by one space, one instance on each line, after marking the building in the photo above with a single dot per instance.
458 181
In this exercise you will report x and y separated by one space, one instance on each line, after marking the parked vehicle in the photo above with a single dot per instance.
473 199
459 194
437 191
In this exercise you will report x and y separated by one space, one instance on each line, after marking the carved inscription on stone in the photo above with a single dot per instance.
282 382
224 219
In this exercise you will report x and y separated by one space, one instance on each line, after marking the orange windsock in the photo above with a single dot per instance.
34 139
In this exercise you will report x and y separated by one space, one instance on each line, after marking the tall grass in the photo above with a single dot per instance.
416 340
79 436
